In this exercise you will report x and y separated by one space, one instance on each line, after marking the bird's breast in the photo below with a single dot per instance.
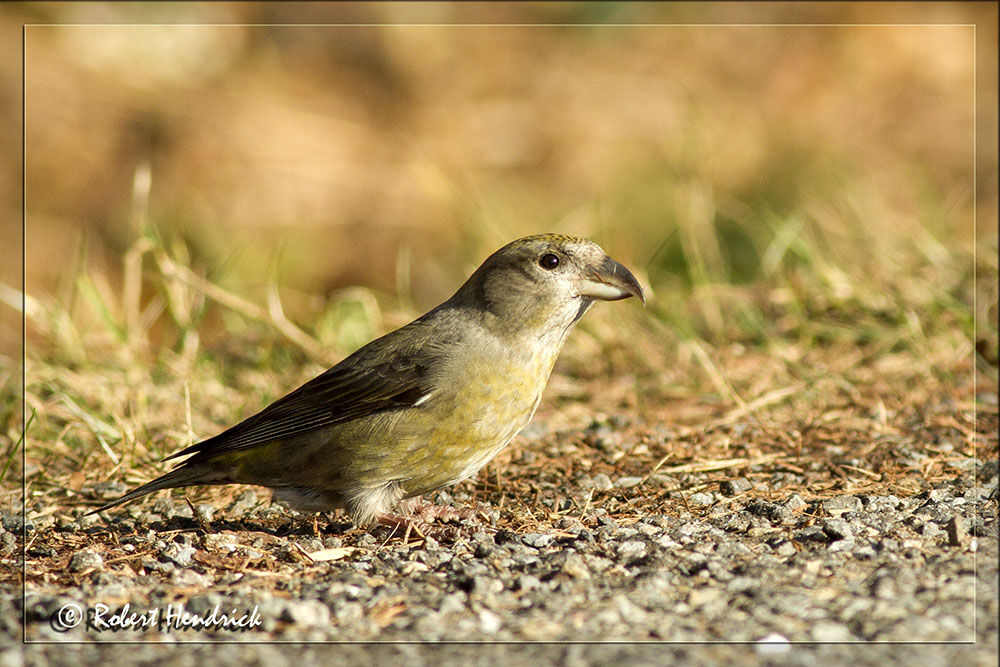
481 401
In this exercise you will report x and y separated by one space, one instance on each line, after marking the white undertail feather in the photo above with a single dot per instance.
365 505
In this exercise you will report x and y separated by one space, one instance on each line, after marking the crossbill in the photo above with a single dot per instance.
424 406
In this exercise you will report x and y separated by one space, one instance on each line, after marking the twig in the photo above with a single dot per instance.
302 552
868 473
655 468
769 398
197 517
722 464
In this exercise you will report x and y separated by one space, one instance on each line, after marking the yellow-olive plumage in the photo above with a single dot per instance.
424 406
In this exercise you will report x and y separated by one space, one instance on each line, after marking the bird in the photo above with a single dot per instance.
424 406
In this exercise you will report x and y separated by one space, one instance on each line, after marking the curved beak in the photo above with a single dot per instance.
610 281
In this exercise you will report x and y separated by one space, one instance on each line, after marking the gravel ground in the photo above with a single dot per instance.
730 569
490 655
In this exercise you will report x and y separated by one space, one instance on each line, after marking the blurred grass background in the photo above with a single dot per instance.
210 206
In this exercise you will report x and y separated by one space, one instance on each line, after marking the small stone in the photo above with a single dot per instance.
535 430
596 563
701 499
602 482
537 540
837 529
841 504
957 535
741 584
205 512
243 503
732 487
8 544
574 566
785 548
699 597
888 545
825 631
842 545
864 552
165 507
85 560
527 582
812 534
489 622
185 578
109 490
631 549
794 502
883 587
307 613
627 482
179 554
930 529
767 510
570 524
221 541
737 523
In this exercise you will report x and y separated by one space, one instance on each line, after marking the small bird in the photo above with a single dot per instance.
424 406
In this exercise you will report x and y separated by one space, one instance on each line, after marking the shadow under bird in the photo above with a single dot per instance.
424 406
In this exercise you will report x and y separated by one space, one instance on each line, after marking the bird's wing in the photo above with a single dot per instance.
390 376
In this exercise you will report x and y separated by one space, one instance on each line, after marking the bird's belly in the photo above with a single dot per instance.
476 420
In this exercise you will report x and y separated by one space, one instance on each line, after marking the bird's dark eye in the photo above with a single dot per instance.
548 261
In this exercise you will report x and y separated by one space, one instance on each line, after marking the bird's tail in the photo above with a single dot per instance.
184 475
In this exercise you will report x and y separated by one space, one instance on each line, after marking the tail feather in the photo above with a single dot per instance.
182 476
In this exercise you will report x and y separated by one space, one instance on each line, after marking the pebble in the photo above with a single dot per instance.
957 535
575 566
627 482
869 568
700 499
489 622
220 541
631 549
306 612
794 502
841 504
837 529
179 554
537 540
602 482
85 560
733 487
825 631
768 510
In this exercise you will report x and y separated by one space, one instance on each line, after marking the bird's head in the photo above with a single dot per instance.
546 282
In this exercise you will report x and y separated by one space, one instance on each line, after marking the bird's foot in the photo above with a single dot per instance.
406 526
430 512
427 520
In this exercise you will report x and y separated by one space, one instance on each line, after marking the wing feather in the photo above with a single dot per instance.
394 375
